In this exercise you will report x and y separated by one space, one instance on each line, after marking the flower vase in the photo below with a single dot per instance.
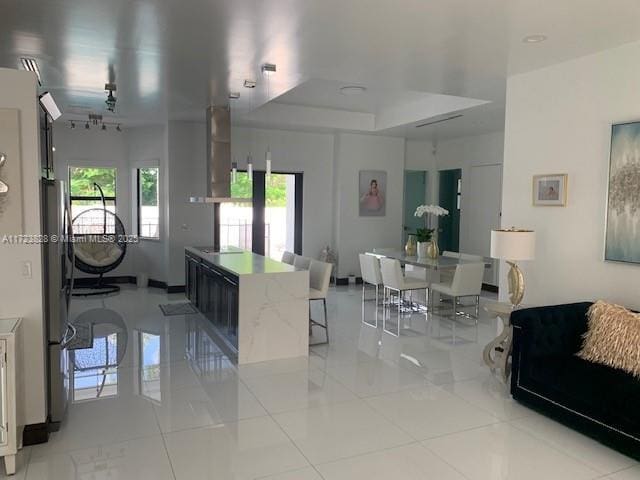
433 251
410 247
422 249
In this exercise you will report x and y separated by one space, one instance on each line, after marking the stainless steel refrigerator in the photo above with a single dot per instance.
58 284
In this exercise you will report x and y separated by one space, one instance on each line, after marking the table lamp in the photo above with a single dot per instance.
514 245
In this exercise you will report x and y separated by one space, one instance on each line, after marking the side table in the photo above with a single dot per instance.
498 352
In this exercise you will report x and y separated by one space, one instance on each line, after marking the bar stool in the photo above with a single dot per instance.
319 279
288 257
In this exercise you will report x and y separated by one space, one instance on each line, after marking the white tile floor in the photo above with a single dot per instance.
367 406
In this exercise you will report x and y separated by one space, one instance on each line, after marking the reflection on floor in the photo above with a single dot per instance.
368 406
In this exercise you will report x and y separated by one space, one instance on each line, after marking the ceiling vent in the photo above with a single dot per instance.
31 65
439 121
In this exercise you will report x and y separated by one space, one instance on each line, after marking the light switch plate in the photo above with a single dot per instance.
26 269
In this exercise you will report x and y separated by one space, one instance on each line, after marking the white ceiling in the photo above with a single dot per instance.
170 59
327 93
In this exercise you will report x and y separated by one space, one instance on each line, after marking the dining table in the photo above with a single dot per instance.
440 263
424 268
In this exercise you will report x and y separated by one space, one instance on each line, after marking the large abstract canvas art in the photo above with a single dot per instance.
623 208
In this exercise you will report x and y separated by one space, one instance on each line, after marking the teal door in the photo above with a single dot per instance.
415 190
450 184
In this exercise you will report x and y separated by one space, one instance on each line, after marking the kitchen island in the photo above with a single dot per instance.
258 307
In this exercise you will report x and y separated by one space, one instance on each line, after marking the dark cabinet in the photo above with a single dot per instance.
191 266
214 292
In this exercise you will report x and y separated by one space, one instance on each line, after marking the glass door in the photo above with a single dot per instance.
279 215
271 223
415 192
236 219
450 192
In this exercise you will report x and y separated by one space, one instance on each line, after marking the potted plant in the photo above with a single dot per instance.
423 237
430 247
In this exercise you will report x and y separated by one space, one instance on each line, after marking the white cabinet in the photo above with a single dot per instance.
11 388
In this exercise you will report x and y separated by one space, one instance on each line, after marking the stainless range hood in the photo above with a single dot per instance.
218 158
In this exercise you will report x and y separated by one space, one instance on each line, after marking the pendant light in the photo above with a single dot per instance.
267 157
249 157
267 69
250 166
234 171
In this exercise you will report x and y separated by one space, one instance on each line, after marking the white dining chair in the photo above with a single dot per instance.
288 257
471 258
467 282
319 279
446 275
394 281
301 262
371 274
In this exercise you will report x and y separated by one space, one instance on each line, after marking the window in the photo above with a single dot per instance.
85 184
236 219
148 204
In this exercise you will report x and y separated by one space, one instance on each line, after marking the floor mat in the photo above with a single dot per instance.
184 308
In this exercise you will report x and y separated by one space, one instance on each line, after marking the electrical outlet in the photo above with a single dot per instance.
26 269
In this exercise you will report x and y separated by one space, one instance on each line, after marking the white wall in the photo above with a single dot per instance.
421 155
189 224
357 234
331 163
309 153
96 148
558 120
22 296
146 146
480 158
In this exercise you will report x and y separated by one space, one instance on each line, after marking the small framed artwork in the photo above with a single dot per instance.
372 191
550 190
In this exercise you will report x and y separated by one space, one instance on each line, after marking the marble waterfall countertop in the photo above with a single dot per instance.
240 262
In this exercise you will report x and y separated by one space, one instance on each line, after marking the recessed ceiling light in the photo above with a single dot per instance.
234 95
353 90
534 38
249 84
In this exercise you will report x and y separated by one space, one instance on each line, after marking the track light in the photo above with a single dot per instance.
87 126
73 124
104 127
118 128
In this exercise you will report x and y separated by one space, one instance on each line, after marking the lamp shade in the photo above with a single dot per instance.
513 244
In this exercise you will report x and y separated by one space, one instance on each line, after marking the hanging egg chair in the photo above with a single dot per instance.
99 247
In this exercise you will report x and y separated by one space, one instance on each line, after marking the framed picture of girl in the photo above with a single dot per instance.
372 193
550 190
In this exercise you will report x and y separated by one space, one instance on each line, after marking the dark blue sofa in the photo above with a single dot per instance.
597 400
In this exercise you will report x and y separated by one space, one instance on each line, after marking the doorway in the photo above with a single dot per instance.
271 223
415 193
450 197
